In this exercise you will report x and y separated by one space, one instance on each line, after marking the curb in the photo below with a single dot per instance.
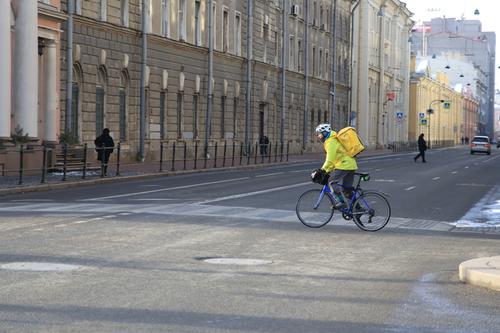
483 272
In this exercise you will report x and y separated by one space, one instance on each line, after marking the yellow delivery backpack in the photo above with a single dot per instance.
350 141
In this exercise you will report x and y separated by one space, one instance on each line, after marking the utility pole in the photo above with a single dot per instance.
208 118
144 55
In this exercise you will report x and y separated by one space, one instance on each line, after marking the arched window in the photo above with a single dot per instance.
76 100
123 104
100 103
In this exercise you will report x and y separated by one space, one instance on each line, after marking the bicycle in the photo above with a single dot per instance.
370 210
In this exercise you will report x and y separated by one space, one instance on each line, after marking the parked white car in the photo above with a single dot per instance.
480 144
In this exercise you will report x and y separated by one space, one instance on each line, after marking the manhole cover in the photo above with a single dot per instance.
39 266
236 261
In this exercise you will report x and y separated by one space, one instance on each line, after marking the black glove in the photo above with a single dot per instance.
320 176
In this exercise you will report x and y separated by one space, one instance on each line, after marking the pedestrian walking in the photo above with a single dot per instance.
104 145
263 143
422 147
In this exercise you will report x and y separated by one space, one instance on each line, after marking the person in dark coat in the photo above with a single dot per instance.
104 146
263 143
422 147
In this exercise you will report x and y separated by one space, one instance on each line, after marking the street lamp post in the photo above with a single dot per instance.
429 112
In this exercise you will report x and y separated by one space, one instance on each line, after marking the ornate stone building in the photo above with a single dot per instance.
381 71
250 96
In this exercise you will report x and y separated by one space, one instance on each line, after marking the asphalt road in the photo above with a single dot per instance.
139 250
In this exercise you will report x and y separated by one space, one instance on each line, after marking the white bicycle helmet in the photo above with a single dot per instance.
323 128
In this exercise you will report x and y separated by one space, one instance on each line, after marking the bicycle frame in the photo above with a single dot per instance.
355 195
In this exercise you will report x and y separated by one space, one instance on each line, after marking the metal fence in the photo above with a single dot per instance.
412 146
42 164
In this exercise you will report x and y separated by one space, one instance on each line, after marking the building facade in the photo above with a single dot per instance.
30 70
241 78
445 36
380 71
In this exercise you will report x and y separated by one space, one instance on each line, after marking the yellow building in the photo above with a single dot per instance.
442 125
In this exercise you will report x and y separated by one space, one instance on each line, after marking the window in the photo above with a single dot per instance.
327 69
180 111
315 10
312 117
299 55
320 62
276 47
237 34
197 24
235 116
165 18
325 116
104 11
225 30
313 61
214 25
125 13
182 20
122 99
291 53
195 116
265 39
223 117
78 7
319 116
163 115
100 103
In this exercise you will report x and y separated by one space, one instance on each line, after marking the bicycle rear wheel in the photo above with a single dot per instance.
371 211
314 208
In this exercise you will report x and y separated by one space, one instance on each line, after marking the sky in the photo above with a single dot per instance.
424 10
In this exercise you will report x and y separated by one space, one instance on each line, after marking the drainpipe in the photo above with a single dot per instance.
142 111
333 83
210 74
248 107
306 74
284 51
351 17
69 68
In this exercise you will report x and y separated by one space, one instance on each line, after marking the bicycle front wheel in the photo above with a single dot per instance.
314 208
371 211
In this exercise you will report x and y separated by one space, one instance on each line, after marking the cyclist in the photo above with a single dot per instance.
337 160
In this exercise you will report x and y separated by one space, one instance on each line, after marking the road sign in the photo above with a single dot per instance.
399 115
446 105
423 122
421 115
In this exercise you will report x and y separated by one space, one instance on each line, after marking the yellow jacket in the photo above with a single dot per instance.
336 157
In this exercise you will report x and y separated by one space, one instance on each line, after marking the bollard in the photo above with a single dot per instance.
205 158
249 152
281 153
65 161
276 152
232 156
185 154
287 149
224 158
241 153
118 149
215 156
161 156
270 152
21 164
195 153
44 164
84 171
173 157
256 152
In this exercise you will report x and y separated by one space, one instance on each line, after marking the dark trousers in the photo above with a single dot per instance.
421 153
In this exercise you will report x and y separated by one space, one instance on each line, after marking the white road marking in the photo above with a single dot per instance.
436 178
466 167
108 216
125 214
303 170
32 200
153 199
454 172
384 180
473 185
60 225
242 195
410 188
165 189
79 222
269 174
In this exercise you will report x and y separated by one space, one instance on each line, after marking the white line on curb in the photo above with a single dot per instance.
410 188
